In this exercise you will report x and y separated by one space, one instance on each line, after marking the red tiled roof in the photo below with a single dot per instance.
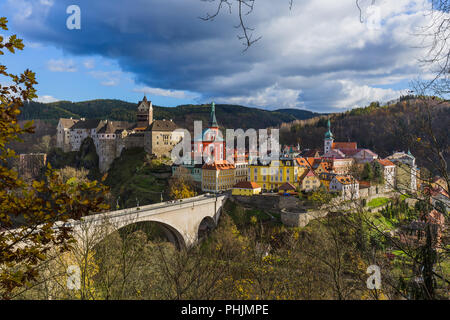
310 174
346 179
364 184
304 162
385 162
247 185
325 166
344 145
287 186
349 152
224 165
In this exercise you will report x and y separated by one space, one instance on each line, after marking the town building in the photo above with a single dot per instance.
291 151
406 171
272 175
211 143
345 151
191 172
326 178
388 173
287 188
309 181
346 186
218 176
246 188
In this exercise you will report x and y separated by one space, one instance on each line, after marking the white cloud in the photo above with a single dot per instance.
273 96
108 78
318 55
89 64
24 9
61 65
48 3
361 95
178 94
46 99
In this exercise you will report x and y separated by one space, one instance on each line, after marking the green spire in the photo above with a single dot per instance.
213 121
328 134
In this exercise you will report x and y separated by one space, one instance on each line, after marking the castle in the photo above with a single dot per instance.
157 137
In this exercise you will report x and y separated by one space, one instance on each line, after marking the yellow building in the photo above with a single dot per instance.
246 188
309 181
271 176
325 179
218 176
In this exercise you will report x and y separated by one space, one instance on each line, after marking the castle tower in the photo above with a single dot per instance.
328 141
144 113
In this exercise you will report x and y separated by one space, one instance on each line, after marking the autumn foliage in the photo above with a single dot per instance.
29 211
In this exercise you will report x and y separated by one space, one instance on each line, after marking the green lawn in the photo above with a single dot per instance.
377 202
404 196
383 223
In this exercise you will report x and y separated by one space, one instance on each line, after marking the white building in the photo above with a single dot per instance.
388 173
406 171
63 133
346 185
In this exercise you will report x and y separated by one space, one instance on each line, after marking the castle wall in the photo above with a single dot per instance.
63 138
106 153
77 136
162 142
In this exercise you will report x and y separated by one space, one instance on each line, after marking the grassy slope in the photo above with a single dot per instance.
131 180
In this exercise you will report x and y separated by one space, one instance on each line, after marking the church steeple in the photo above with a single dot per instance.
213 120
328 134
328 141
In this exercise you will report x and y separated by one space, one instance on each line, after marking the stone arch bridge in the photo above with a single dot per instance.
180 220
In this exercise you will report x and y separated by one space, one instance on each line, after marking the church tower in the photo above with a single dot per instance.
144 113
213 120
328 141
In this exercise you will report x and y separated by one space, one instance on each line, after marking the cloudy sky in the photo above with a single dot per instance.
316 56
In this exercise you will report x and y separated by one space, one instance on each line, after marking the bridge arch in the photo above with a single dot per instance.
205 227
180 220
158 229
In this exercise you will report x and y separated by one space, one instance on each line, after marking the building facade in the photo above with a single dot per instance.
346 186
218 176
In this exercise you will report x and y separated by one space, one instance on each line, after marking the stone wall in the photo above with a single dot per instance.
106 153
301 219
269 202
